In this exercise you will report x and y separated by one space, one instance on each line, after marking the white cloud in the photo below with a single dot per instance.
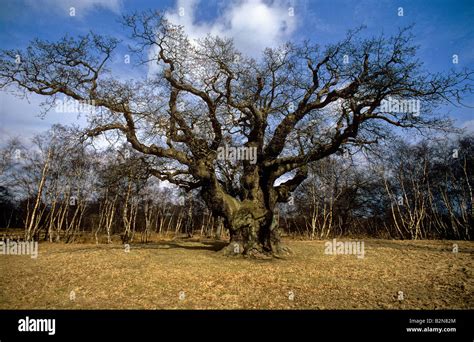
253 24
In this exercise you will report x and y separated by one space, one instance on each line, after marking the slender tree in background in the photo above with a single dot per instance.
294 106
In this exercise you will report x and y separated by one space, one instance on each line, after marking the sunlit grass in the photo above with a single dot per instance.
152 275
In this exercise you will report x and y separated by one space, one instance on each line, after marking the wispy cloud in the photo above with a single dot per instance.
20 117
468 126
81 7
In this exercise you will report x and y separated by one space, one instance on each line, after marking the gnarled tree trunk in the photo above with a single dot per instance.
251 222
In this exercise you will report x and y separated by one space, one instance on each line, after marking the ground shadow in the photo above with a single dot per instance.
447 246
189 244
184 244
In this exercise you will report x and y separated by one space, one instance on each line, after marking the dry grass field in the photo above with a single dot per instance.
190 274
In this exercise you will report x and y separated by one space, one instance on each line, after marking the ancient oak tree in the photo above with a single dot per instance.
239 130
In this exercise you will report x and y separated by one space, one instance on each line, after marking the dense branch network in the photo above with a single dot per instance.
294 106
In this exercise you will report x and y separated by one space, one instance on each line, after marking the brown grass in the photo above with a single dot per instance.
151 276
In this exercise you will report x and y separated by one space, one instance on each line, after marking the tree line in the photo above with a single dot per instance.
59 187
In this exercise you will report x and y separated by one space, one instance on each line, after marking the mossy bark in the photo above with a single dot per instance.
251 222
255 235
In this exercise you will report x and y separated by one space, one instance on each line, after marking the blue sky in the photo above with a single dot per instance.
442 28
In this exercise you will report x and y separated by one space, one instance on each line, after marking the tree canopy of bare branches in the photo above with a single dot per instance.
296 105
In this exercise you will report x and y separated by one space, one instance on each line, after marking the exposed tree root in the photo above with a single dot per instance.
236 249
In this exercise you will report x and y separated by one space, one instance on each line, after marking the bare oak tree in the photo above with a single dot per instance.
295 105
